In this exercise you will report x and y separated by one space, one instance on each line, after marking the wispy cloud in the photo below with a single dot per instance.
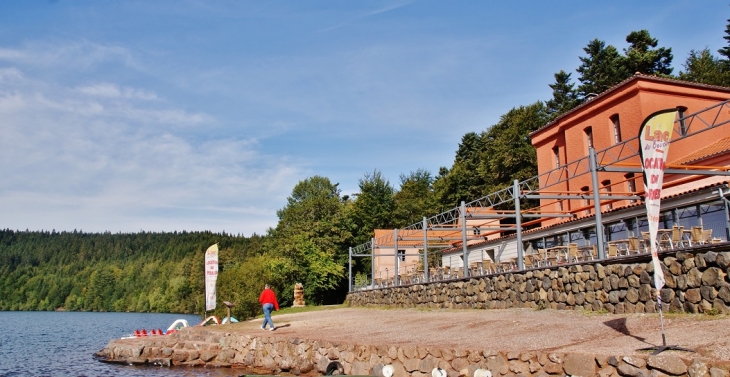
78 55
109 90
365 14
92 156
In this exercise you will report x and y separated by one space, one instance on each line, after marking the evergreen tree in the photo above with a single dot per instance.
725 51
601 68
702 67
642 56
565 97
462 182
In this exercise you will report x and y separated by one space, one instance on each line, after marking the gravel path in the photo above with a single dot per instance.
505 330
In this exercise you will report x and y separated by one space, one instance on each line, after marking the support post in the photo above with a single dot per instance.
518 225
350 269
727 213
396 277
465 248
425 250
597 203
372 260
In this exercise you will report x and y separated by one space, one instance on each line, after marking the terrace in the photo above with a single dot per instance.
518 228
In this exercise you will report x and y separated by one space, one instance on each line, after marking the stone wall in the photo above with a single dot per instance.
695 283
274 355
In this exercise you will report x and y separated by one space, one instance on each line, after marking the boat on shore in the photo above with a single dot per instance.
173 328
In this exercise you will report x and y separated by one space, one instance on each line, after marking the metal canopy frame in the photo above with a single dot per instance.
612 159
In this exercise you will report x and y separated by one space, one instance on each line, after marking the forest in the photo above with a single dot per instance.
163 272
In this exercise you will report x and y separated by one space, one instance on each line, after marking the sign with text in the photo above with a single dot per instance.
654 135
211 276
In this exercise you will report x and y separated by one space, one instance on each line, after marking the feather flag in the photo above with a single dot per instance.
211 276
655 134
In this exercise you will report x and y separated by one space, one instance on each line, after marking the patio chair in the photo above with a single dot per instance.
458 273
634 245
529 261
646 237
447 272
612 251
541 257
706 236
475 268
573 253
695 235
552 258
488 266
677 236
588 252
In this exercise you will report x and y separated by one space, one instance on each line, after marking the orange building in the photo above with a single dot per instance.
594 145
615 116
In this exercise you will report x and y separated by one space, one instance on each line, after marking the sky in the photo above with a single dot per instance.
172 115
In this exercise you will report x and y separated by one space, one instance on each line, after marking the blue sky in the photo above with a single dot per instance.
125 116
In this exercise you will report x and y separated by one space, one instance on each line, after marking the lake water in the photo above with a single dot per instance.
63 344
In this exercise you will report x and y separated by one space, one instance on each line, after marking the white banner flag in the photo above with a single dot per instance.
655 134
211 276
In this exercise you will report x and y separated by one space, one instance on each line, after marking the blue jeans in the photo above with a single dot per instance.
267 315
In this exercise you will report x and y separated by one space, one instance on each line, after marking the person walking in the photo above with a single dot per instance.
268 300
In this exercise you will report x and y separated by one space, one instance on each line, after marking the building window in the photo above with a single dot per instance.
631 185
607 188
589 137
586 201
402 255
556 153
477 231
616 123
681 113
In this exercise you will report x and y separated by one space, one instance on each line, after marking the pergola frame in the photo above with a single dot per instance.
611 159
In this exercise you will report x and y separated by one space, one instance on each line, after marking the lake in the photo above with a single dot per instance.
63 344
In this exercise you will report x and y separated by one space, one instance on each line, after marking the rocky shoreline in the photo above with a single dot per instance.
535 324
218 348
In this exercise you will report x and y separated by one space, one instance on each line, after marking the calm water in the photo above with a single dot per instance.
63 344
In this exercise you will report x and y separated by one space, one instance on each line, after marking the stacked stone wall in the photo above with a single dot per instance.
283 355
695 283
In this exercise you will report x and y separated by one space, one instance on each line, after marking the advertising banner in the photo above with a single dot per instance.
211 276
654 135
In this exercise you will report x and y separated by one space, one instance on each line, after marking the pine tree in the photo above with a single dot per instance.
602 68
642 56
725 51
704 68
564 98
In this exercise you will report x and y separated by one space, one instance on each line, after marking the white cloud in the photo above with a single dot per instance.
110 157
109 90
78 55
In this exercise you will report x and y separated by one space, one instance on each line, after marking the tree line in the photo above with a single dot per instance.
162 272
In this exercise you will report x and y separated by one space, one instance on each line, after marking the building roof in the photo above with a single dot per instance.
717 148
636 77
414 237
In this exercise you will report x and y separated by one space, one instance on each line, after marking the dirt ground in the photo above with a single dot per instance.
506 330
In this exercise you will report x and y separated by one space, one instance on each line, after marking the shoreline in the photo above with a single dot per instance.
458 341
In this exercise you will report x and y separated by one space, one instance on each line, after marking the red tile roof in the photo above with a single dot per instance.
712 150
635 77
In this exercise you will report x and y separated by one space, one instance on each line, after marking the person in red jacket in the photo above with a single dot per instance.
268 300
